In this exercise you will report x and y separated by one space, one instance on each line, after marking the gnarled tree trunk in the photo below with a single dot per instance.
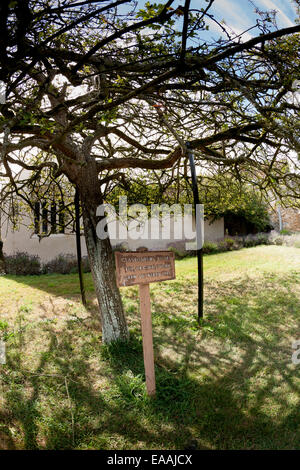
114 326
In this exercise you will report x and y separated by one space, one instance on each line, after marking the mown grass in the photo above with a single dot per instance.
228 384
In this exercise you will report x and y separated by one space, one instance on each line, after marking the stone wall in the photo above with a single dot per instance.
290 219
48 248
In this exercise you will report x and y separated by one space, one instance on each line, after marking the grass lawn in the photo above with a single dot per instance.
229 384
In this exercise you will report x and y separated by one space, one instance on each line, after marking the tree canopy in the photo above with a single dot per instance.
127 87
104 91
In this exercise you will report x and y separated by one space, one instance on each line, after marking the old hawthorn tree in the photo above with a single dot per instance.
100 91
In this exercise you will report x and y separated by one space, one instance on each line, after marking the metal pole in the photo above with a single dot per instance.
199 250
279 216
78 245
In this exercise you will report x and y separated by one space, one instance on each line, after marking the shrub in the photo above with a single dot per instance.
238 244
285 232
263 239
249 242
179 254
86 264
229 243
61 264
222 247
65 264
260 239
21 264
121 247
209 248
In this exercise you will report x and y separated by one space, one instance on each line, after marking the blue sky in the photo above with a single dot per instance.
240 15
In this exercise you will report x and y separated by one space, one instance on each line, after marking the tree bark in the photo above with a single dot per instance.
114 325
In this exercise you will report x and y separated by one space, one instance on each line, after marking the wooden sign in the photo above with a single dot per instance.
143 267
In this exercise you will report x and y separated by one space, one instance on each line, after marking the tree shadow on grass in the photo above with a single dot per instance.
229 385
22 404
185 409
244 354
6 439
58 285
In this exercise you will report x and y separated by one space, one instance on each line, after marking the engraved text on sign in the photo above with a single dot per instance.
144 267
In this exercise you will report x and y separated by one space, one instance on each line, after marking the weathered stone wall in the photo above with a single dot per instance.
49 247
290 219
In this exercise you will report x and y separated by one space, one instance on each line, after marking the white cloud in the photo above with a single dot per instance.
245 36
234 13
270 5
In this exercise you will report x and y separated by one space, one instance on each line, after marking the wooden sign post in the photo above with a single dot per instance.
143 267
146 322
